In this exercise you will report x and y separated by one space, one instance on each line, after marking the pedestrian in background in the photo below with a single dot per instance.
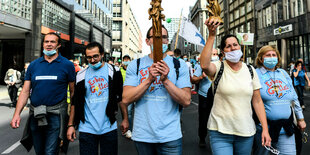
300 77
13 82
231 126
205 104
126 61
23 73
98 91
158 90
48 78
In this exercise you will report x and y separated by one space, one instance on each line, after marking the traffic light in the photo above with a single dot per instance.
185 43
119 60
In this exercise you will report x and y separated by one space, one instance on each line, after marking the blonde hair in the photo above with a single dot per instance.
259 59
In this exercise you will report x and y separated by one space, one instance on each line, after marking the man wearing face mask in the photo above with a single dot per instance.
98 92
48 78
158 90
126 61
205 105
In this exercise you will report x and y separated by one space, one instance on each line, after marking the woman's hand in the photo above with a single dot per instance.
266 140
212 25
301 125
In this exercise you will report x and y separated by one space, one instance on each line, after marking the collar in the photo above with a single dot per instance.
58 59
264 70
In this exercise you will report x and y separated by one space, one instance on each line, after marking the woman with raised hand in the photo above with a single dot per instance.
277 94
231 126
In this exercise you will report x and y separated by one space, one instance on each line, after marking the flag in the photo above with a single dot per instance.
190 33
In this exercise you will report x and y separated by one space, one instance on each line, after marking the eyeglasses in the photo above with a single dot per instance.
163 36
96 57
304 137
272 150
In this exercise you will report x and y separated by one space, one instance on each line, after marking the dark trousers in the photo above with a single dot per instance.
204 109
46 138
89 143
13 94
300 93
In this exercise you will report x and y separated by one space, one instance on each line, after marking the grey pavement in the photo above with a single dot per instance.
9 138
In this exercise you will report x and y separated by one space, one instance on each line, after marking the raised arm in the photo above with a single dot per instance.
205 58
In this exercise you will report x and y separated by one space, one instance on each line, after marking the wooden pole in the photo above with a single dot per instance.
157 16
177 37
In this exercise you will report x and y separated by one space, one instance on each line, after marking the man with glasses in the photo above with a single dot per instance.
98 91
158 91
48 78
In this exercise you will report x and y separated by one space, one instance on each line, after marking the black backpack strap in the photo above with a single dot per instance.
251 71
218 78
138 65
176 63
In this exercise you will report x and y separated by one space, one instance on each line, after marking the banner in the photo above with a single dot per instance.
246 38
190 33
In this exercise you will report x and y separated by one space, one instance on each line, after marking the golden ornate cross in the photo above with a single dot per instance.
157 16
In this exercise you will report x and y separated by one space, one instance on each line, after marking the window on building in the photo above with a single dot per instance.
275 13
268 16
84 3
231 17
260 20
264 17
117 26
249 6
249 27
236 14
297 8
90 5
286 9
242 10
241 28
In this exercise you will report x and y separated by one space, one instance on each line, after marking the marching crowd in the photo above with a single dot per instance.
243 110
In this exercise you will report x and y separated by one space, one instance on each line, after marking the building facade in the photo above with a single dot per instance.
238 17
285 24
172 25
126 32
24 22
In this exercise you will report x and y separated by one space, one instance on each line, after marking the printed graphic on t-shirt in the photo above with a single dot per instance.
156 85
98 85
276 87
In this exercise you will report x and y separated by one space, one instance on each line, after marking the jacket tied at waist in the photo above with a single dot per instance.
275 127
40 114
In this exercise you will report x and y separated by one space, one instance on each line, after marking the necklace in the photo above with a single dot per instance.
275 87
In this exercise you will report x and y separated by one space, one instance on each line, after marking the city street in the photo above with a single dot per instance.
9 141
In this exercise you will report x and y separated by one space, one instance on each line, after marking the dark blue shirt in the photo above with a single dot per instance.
49 81
300 79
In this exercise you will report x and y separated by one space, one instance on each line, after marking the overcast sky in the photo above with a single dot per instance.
172 9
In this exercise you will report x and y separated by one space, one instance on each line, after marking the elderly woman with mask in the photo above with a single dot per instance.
277 93
231 126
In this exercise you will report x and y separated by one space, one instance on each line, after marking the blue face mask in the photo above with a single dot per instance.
165 47
95 66
126 63
185 59
270 62
49 53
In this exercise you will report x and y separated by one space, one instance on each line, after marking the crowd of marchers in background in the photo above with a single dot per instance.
242 109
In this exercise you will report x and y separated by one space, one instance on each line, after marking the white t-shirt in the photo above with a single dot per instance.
231 112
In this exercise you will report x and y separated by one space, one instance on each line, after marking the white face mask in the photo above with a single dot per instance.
214 58
233 56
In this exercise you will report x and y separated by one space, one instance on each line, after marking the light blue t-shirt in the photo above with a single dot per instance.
96 101
196 66
277 105
204 84
157 116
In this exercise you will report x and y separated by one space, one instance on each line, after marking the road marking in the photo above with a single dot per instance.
10 149
195 103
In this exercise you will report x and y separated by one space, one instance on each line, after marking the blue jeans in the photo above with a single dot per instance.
168 148
89 143
286 145
45 138
224 144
